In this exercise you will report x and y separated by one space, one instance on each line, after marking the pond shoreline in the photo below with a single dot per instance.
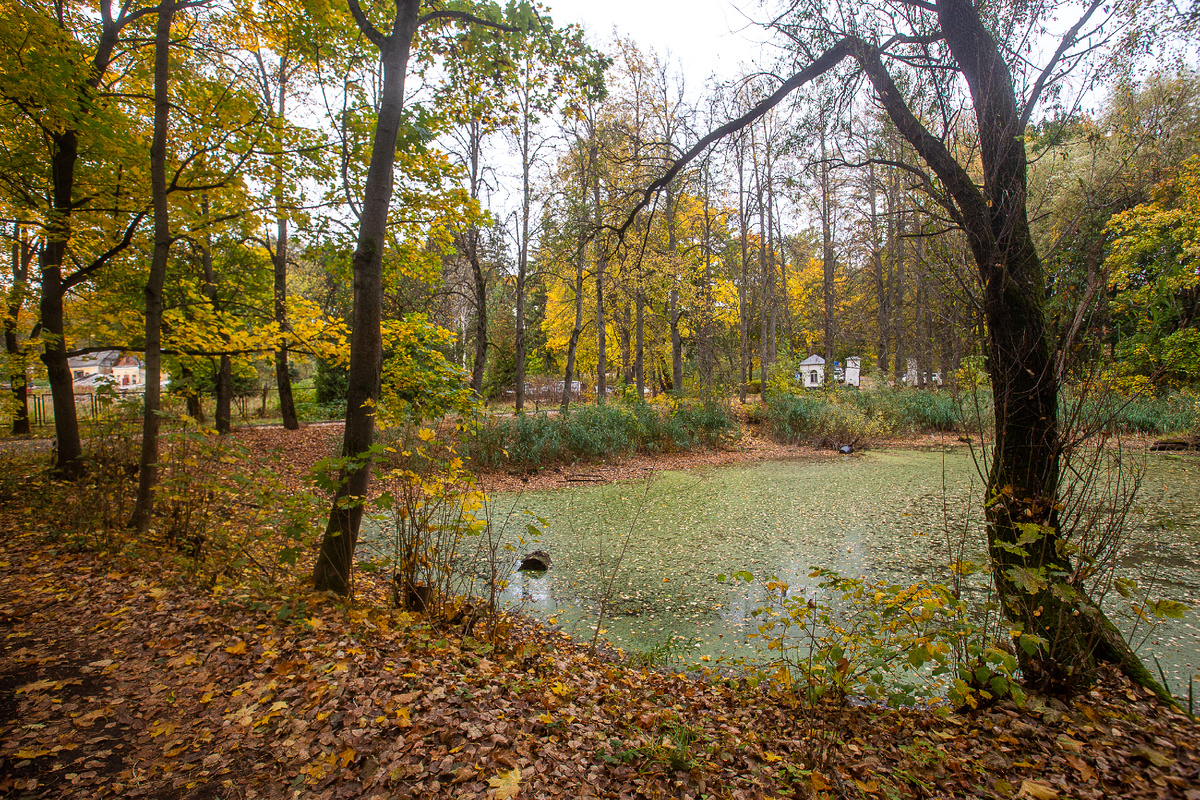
754 445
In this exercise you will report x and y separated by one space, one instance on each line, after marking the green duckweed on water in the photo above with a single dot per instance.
889 515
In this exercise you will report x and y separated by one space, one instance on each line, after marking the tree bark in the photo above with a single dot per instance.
63 158
148 473
18 367
283 374
223 415
828 267
601 267
336 556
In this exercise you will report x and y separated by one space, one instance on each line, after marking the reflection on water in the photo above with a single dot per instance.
890 515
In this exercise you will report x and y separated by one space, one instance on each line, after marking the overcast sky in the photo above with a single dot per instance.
705 37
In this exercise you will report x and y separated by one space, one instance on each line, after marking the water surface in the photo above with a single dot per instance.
895 515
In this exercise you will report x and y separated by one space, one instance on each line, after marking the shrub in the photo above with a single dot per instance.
596 432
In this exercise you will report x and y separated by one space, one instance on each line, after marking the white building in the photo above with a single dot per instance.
853 370
812 372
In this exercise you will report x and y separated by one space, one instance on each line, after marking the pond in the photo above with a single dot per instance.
889 515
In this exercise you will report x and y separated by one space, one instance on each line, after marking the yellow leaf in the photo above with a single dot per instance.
560 689
545 718
771 758
1037 790
505 785
31 753
347 756
403 717
236 649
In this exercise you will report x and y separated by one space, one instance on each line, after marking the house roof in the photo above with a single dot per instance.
813 361
103 358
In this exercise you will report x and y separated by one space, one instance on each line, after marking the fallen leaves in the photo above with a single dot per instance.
505 785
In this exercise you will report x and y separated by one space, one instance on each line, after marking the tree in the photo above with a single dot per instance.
1064 631
1154 272
336 556
148 472
18 359
54 79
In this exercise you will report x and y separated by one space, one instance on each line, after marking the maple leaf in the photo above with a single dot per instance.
505 785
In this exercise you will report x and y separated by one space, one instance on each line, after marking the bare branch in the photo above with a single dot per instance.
825 62
1067 40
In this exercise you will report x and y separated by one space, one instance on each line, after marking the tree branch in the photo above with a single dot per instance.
1067 40
825 62
364 25
462 16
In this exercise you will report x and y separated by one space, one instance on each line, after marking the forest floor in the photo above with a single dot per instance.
121 675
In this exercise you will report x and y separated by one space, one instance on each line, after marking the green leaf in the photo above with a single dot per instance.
1169 608
1031 581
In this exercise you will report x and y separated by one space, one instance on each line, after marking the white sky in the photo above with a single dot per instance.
704 37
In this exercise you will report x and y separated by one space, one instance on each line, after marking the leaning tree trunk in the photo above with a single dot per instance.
335 559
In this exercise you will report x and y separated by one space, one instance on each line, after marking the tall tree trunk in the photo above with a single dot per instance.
470 242
601 266
64 156
481 311
828 267
743 283
18 367
283 374
639 360
882 313
336 556
765 268
899 334
626 344
223 415
673 310
523 247
576 329
148 474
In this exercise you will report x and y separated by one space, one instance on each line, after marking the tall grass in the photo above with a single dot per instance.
848 417
1176 412
589 433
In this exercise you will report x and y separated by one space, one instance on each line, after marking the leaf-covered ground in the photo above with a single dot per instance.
121 676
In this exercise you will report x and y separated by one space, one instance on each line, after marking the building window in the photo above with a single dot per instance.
813 376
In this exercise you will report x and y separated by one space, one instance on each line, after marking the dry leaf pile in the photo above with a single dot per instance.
118 681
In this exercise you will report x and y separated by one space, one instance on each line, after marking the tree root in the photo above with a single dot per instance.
1112 648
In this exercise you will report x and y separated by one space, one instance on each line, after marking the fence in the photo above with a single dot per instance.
93 405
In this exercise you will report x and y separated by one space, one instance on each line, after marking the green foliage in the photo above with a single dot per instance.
1155 277
332 381
419 383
